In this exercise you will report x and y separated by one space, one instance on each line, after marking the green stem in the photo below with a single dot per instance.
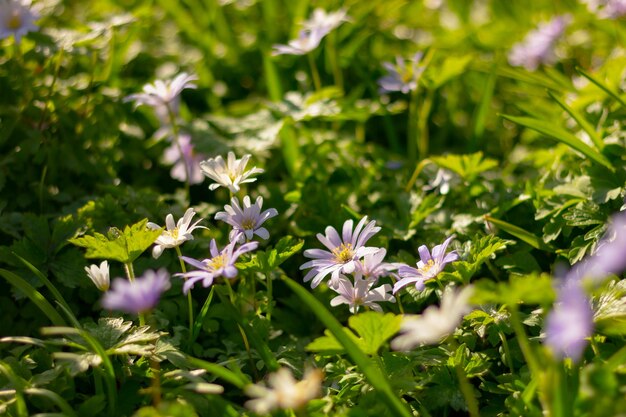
507 351
523 341
466 387
418 169
130 274
423 137
333 55
314 73
467 390
412 126
176 134
189 299
268 314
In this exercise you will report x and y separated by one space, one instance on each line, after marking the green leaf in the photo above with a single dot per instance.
610 309
521 234
467 166
563 136
451 67
119 246
481 250
375 329
529 289
372 372
267 261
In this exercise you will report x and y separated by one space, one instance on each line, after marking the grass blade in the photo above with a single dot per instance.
34 295
369 368
197 325
602 86
55 292
20 404
582 122
219 371
562 136
518 232
54 398
96 347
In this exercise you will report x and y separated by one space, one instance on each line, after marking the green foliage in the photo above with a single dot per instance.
528 289
123 246
468 167
371 331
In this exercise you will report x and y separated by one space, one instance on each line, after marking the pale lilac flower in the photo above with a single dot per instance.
306 42
609 257
442 181
284 392
325 22
175 234
17 19
429 266
163 96
538 46
372 266
403 76
189 161
246 220
343 251
137 296
607 9
231 173
361 293
434 323
570 322
99 275
220 264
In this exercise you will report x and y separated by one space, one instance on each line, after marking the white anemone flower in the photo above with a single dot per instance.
361 293
284 392
325 22
17 19
434 323
306 42
175 234
99 275
246 220
163 96
231 173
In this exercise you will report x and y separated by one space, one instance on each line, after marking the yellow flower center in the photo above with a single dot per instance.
217 263
14 22
407 76
248 223
427 266
173 233
343 253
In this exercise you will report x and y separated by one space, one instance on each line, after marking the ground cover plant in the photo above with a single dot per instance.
312 208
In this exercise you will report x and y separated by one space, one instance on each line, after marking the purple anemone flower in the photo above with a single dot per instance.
189 161
401 76
538 46
361 293
609 257
429 266
372 266
139 295
246 221
570 322
220 264
343 252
